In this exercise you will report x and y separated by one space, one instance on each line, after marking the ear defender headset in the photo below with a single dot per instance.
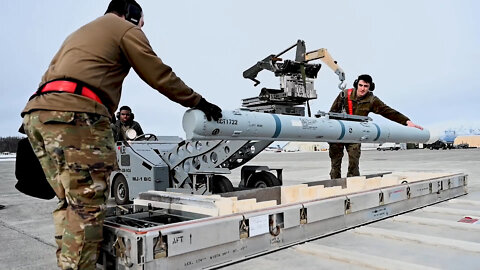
128 8
132 116
361 77
133 13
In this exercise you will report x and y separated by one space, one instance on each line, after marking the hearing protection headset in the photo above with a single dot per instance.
128 8
366 78
125 108
133 13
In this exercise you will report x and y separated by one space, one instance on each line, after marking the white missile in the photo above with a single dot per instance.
246 125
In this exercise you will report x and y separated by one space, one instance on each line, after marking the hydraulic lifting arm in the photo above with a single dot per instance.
326 58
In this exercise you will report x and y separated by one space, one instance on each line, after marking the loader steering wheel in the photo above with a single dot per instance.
146 137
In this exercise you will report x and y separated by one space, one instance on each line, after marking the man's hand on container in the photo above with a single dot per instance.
211 111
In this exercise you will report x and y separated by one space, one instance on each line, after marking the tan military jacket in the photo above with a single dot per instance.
100 54
368 103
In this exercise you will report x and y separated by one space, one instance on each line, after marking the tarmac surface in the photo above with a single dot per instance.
26 226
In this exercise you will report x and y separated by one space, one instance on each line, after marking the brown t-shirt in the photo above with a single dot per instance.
100 54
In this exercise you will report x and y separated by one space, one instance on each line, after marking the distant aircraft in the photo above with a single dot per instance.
274 148
449 136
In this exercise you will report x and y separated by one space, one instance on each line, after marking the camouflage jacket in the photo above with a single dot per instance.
369 103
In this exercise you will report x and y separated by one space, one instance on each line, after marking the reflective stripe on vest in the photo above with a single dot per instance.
350 104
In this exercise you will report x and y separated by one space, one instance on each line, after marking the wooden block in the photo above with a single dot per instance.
356 183
330 191
308 193
391 177
314 192
243 205
349 190
290 194
414 177
390 180
373 183
225 206
265 204
401 177
199 210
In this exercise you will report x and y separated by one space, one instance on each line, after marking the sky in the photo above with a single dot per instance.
423 55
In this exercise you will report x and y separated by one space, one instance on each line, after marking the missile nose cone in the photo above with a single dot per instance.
191 118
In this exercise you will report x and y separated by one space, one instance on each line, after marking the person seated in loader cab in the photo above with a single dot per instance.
125 127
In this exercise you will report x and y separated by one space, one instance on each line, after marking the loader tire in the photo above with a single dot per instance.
120 190
221 184
263 179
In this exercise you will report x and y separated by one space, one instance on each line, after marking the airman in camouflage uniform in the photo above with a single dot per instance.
363 102
76 151
67 120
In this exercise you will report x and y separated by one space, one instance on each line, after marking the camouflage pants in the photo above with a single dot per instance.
76 151
336 154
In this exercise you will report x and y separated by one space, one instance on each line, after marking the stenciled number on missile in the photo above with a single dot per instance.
224 121
308 123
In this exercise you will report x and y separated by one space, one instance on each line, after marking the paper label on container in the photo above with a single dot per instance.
258 225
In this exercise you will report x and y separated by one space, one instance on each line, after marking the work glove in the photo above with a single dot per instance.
211 111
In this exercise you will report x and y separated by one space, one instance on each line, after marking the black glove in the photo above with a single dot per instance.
210 110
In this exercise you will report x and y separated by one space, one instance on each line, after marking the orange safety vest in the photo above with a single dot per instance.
350 104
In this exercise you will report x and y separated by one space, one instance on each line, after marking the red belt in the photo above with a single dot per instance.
69 87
